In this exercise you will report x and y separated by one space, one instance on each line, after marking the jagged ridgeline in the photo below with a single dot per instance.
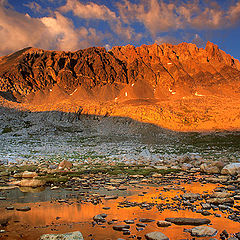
150 71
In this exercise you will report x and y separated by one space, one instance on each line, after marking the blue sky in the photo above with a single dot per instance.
75 24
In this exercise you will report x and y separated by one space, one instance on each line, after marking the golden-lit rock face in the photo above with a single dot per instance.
179 87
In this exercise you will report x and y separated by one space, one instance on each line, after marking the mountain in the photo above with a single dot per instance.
149 75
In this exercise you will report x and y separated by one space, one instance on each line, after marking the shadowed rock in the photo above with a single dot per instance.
188 221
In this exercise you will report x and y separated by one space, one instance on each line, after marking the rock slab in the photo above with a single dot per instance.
202 231
156 236
188 221
66 236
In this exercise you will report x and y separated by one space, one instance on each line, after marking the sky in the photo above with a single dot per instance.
71 25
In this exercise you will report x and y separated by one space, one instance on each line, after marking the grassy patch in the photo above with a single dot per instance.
30 168
7 130
54 179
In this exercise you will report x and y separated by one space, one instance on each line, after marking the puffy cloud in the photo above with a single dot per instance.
54 32
161 16
99 12
88 11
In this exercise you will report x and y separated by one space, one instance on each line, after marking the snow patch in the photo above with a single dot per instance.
73 92
199 95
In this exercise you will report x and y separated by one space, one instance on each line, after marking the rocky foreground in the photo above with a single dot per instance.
215 195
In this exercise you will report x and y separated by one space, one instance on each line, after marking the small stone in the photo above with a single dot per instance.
100 218
121 227
106 208
163 224
9 208
23 209
65 165
129 221
146 220
110 197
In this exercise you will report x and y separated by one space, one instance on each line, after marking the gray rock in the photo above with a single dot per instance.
212 167
156 236
218 201
66 236
100 217
232 169
190 195
202 231
188 221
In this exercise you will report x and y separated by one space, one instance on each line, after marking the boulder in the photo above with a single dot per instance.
156 236
66 236
212 167
65 165
31 183
188 221
202 231
231 169
28 174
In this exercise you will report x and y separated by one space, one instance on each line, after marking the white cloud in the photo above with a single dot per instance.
159 16
55 32
94 11
88 11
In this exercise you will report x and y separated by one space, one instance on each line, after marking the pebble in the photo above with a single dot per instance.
23 209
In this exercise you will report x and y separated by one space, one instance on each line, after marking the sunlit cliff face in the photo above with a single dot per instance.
67 217
179 87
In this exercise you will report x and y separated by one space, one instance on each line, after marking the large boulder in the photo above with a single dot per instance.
212 167
231 169
66 236
30 183
156 236
202 231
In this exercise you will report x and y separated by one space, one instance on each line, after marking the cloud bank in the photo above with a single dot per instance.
56 28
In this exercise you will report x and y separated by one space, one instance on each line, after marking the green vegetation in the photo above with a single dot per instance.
30 168
7 130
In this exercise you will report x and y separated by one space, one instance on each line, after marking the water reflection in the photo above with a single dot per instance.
54 217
